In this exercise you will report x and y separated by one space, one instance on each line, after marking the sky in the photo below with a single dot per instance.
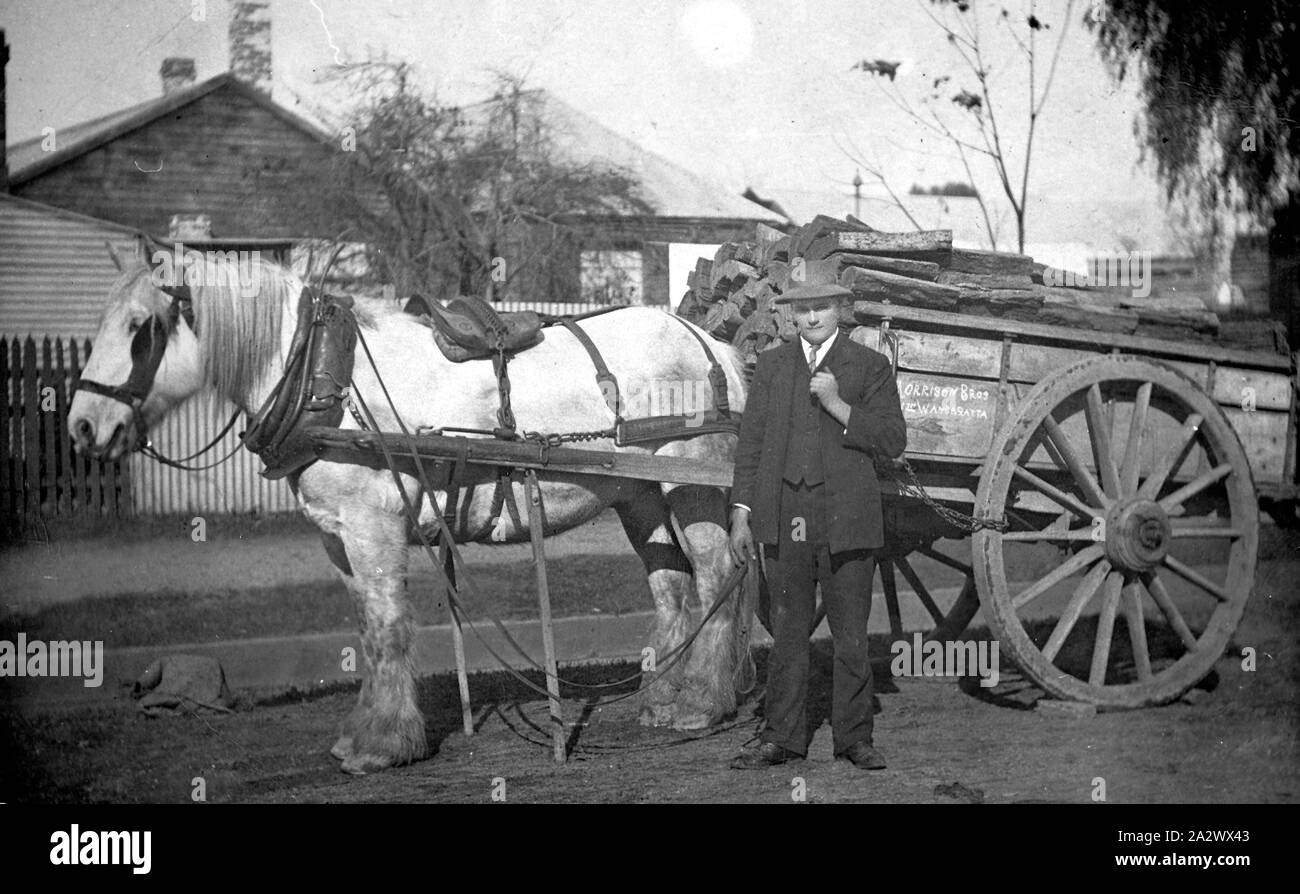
747 93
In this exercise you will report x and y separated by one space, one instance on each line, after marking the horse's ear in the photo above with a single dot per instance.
117 258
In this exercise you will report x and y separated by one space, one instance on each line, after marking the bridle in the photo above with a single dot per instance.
147 348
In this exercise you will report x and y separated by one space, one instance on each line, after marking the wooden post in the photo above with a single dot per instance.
457 638
534 496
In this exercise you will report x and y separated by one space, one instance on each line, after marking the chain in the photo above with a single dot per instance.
912 487
555 440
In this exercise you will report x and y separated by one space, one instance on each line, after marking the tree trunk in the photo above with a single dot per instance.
1284 269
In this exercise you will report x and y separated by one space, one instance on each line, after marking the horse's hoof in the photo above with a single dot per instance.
689 722
656 715
361 764
342 749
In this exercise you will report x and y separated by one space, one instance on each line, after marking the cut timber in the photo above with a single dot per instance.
877 285
984 280
731 274
926 270
970 260
780 250
724 319
925 241
1018 304
1077 314
820 226
765 240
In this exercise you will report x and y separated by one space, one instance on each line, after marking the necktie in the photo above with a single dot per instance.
812 358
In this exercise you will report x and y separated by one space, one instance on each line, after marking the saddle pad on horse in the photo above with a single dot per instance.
469 328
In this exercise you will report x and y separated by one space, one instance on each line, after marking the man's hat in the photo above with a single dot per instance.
803 294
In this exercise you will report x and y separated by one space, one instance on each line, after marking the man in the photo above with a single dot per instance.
819 409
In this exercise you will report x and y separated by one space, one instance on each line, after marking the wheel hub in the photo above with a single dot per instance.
1138 534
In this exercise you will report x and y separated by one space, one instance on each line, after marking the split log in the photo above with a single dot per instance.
729 275
877 285
818 227
962 279
925 241
971 260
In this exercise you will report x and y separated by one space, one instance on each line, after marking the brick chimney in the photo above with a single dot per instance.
177 72
250 43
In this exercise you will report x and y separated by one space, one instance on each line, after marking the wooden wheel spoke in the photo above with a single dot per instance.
891 598
932 553
1080 560
1171 501
1206 531
1105 629
1156 587
1099 432
1057 495
1132 463
1150 488
1074 608
919 588
1137 629
1074 465
1035 536
1195 577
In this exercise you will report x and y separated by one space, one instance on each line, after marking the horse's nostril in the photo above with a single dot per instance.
84 430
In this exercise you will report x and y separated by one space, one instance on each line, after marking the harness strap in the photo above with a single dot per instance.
604 378
717 377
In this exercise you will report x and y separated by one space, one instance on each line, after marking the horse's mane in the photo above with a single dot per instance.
239 323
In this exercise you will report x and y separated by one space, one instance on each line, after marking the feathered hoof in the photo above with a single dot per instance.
657 715
695 721
342 749
361 764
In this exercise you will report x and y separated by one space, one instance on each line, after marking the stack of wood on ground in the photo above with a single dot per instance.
731 294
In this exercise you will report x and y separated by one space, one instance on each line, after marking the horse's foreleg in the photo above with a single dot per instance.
386 728
343 748
645 520
708 693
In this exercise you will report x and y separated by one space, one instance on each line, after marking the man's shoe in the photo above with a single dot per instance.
863 756
768 754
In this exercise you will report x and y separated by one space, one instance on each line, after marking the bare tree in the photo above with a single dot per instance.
968 119
478 199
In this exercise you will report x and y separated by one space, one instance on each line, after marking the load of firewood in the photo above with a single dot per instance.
731 294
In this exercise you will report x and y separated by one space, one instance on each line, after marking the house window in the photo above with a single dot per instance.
611 277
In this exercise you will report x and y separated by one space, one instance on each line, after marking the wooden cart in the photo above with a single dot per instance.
1142 460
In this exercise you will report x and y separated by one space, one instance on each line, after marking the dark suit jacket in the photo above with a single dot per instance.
876 427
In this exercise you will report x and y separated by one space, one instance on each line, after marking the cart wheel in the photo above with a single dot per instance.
1059 473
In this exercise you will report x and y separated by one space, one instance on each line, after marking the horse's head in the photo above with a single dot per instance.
146 359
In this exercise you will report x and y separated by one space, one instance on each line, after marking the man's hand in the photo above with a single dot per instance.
741 540
823 385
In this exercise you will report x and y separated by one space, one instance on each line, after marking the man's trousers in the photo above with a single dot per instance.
794 567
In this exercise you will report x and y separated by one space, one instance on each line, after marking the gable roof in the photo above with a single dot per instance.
28 160
670 189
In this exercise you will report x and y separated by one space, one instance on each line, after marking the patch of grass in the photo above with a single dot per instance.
579 585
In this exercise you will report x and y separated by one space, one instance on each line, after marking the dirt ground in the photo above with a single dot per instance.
1235 740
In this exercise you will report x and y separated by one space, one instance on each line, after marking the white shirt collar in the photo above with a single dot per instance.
822 348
